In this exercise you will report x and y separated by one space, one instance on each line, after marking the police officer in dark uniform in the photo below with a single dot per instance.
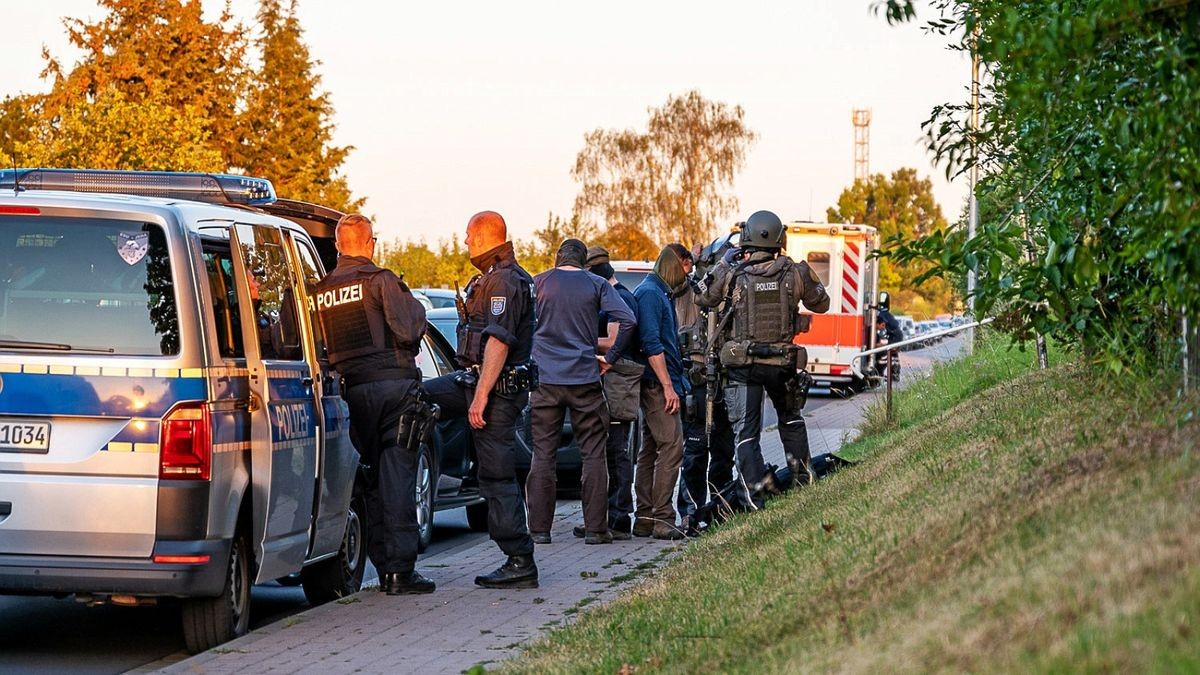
495 337
761 290
707 444
373 328
889 328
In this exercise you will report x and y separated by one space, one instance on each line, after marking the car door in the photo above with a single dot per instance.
453 441
337 460
283 451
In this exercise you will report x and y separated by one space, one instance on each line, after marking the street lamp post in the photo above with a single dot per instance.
973 208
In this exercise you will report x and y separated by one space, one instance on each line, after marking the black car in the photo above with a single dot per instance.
569 464
446 467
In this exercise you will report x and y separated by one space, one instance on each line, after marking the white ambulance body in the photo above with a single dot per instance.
840 254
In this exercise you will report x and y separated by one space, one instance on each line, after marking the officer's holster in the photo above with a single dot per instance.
417 424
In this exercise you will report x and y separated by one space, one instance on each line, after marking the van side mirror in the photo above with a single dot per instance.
885 301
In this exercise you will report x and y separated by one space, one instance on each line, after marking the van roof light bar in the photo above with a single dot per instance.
199 187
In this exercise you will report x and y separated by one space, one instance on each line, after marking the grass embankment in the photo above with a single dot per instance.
1017 520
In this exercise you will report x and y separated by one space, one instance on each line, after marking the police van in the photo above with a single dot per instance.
169 427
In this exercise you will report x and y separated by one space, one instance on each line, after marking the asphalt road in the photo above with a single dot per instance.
47 635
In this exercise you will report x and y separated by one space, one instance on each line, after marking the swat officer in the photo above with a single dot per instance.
761 290
495 337
373 328
704 439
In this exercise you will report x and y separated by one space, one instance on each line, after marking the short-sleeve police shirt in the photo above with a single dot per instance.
500 305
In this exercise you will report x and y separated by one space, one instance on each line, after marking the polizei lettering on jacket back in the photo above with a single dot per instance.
766 304
340 296
349 329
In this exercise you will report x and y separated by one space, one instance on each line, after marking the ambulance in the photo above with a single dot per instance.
841 255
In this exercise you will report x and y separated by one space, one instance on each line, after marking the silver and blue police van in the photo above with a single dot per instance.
169 427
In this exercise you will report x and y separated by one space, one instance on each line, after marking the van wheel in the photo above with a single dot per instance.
424 497
208 622
342 574
477 517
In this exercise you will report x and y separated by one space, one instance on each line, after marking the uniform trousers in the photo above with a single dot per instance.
494 448
375 410
744 399
707 462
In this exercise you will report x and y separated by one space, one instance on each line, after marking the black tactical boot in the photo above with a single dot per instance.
405 583
518 572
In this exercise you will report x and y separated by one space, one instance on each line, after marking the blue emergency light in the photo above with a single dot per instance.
212 188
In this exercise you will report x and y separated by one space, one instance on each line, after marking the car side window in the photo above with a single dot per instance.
219 266
270 279
444 366
311 275
427 360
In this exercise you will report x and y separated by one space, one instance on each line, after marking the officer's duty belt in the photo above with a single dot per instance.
512 380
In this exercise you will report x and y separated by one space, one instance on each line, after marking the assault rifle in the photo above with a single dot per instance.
712 360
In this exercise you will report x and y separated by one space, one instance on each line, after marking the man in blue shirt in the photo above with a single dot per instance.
663 387
569 300
622 390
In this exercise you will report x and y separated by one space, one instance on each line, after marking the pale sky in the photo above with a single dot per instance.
458 107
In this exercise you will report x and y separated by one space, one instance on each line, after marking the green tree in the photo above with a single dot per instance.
113 132
671 180
628 242
903 209
17 120
288 121
160 51
424 267
1090 196
537 254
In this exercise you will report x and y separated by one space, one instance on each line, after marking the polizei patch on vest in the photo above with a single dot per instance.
498 303
766 286
340 296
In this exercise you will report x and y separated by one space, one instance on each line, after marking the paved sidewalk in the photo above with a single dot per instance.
461 625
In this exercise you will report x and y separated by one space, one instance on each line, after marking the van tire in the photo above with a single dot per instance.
209 622
341 575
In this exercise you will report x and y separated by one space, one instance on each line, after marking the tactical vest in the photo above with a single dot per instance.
350 330
471 342
766 303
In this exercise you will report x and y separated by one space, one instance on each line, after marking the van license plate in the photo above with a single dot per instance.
24 436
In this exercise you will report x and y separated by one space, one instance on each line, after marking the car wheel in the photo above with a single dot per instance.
425 482
208 622
342 574
477 517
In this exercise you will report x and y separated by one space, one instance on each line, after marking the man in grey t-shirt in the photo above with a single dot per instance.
569 302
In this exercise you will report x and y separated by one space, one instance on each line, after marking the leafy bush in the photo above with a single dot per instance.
1088 141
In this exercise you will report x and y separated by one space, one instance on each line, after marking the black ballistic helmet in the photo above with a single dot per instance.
763 229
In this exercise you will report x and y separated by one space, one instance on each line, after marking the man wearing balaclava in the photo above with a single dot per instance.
663 387
569 300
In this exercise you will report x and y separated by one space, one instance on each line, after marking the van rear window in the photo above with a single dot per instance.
90 284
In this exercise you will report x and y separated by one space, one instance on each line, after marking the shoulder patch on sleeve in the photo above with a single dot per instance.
499 303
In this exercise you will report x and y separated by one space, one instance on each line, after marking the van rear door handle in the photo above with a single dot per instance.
5 509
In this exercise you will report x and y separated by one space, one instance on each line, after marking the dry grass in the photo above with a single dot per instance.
1048 524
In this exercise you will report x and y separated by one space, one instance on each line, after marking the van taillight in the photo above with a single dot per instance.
185 446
